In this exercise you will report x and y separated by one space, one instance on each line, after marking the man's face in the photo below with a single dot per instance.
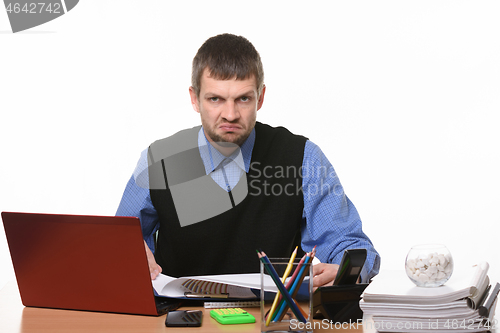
228 108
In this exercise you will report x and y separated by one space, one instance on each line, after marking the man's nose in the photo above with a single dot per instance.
230 112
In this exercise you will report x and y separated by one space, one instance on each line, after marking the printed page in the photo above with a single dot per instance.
172 287
208 289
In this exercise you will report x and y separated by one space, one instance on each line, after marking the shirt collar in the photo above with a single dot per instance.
212 158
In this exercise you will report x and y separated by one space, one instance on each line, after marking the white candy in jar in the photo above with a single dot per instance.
427 269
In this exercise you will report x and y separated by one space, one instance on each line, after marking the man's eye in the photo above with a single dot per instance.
214 99
244 99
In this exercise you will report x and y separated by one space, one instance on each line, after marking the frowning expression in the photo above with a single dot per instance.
228 108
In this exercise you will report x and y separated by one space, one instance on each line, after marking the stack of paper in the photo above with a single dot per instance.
464 304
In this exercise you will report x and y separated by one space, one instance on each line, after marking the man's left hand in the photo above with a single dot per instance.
324 274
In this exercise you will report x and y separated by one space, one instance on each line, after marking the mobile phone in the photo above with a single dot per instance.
184 318
350 266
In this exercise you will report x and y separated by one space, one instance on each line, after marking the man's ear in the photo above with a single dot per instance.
194 100
261 98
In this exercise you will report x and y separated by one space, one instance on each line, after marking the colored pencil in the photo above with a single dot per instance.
296 284
283 305
290 282
285 275
272 272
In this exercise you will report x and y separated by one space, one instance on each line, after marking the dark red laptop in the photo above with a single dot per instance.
95 263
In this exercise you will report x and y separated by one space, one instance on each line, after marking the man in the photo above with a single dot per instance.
218 192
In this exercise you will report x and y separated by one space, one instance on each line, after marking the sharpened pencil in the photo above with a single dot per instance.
288 299
294 285
284 305
285 275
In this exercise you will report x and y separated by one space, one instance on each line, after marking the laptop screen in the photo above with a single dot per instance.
95 263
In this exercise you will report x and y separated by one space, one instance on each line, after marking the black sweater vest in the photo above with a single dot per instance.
268 218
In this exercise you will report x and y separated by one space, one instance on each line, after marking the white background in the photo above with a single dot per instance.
402 96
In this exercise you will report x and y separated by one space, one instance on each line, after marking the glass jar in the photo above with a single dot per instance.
429 265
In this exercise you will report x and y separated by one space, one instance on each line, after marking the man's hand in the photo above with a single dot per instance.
154 268
324 274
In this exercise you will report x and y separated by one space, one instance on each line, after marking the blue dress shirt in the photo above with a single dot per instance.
329 219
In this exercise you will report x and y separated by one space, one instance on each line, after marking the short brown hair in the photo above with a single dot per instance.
227 56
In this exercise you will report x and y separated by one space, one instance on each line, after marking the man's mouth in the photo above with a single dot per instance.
229 127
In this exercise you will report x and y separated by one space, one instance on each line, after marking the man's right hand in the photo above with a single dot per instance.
154 268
